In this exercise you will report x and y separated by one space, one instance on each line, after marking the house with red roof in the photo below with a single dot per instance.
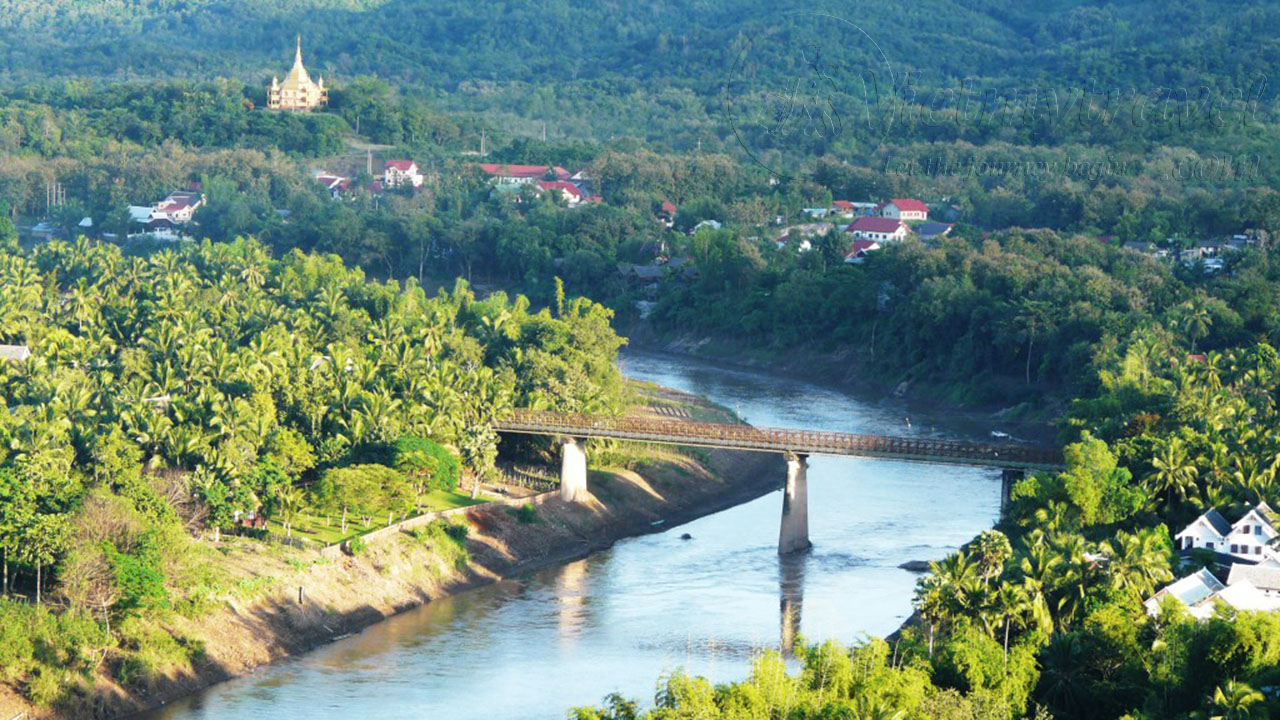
401 172
859 249
567 190
904 209
879 229
336 185
505 174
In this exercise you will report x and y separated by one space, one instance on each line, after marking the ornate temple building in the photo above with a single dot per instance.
297 92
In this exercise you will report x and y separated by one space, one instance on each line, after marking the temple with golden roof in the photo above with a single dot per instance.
297 92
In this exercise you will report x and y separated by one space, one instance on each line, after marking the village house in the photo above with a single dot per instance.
167 218
801 236
1248 539
666 213
297 92
880 229
859 250
707 224
933 230
401 172
567 190
336 185
1201 592
504 174
905 209
14 353
1265 577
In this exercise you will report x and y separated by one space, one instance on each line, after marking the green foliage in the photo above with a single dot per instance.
527 514
43 650
426 463
138 576
448 540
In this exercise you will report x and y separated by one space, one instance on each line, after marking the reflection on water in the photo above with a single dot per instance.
791 596
529 649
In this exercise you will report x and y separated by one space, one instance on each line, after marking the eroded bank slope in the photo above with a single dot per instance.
343 594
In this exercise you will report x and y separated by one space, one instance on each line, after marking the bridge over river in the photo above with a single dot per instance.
797 445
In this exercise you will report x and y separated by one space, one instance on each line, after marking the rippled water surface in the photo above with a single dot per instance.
530 649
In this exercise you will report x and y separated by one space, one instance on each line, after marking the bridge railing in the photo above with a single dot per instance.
747 436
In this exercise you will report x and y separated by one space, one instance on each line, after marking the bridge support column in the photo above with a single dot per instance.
1008 478
794 533
573 472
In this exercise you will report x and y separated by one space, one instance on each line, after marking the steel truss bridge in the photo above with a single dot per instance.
1007 456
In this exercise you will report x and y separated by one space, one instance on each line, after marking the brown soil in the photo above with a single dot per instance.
345 594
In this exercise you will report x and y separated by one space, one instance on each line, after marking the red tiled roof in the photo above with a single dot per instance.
874 224
522 171
401 165
863 245
567 188
909 205
668 207
843 204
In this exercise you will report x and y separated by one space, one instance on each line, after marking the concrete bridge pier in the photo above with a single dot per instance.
573 471
1008 478
794 533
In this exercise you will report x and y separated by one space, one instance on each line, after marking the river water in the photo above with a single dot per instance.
531 648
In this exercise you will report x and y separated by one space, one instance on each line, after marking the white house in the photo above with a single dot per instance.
1265 578
712 224
1191 590
504 174
1201 592
1249 538
1208 531
14 353
880 229
567 190
904 209
401 172
859 250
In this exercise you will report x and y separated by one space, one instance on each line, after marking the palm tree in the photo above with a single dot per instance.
1175 475
1137 563
1237 701
1014 603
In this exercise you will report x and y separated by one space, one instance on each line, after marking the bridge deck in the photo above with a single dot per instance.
747 437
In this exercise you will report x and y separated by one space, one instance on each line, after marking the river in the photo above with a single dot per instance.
531 648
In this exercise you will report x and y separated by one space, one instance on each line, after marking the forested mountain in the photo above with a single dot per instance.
606 68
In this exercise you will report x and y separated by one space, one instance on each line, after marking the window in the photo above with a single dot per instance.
1257 529
1209 545
1244 529
1257 549
1235 548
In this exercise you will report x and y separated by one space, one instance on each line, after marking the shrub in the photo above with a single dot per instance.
355 546
426 462
527 514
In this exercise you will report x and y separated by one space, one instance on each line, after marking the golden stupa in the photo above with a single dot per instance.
297 92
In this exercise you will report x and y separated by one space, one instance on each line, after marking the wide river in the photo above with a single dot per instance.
531 648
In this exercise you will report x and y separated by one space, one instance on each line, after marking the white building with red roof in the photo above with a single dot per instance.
506 174
401 172
880 229
570 192
859 250
904 209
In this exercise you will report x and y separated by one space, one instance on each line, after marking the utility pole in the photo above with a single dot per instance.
544 131
482 138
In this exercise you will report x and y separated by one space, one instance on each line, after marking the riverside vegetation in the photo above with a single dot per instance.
1168 373
170 396
1043 617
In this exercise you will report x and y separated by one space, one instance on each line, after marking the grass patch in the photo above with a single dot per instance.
447 539
327 529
